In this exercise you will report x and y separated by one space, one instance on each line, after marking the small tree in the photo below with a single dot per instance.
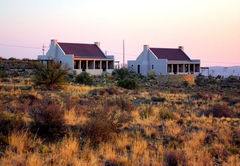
50 76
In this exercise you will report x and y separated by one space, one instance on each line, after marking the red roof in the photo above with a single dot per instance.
82 50
170 54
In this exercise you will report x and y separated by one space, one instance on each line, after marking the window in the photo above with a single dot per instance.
152 67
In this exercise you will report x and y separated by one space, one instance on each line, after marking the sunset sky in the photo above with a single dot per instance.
209 30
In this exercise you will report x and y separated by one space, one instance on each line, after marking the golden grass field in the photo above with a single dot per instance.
108 125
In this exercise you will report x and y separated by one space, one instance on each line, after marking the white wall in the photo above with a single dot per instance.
132 65
160 67
52 53
66 59
56 53
143 61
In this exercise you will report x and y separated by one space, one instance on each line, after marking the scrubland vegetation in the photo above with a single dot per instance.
102 120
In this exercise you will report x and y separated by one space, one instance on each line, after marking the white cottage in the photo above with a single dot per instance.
80 57
164 61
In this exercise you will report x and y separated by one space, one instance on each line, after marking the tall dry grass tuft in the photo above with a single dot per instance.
22 150
68 149
73 117
139 151
34 159
108 150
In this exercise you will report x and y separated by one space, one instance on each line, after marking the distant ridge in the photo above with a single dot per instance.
224 71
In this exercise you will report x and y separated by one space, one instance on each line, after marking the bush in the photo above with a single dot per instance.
84 78
11 121
12 59
48 118
125 104
103 124
120 73
28 97
50 76
165 114
203 96
186 84
3 74
146 111
232 78
220 110
170 158
201 80
70 77
128 83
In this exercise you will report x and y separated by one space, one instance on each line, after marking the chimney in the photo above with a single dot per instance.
181 47
145 47
54 42
97 43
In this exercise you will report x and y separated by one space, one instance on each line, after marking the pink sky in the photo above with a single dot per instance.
209 30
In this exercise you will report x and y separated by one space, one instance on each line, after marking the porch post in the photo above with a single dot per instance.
177 68
171 68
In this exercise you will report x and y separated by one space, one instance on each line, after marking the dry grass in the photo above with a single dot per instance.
160 132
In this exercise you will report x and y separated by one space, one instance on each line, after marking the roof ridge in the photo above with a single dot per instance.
76 43
164 48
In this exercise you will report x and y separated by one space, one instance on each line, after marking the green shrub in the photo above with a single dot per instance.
70 77
50 76
232 78
186 84
128 83
201 80
84 78
120 73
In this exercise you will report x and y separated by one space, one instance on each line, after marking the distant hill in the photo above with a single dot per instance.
223 71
